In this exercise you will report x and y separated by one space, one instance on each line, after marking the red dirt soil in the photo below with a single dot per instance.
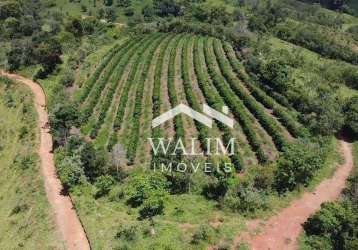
281 231
66 218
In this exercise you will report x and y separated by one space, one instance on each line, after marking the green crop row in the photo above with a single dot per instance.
113 83
203 131
285 118
96 92
135 132
173 98
87 86
212 99
130 82
235 104
156 97
268 123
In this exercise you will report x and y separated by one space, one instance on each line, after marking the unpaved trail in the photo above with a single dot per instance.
65 215
281 231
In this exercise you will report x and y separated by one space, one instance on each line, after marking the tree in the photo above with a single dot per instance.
70 171
145 186
93 161
148 11
212 14
48 53
334 225
351 114
67 79
74 26
245 198
103 185
9 9
166 8
62 117
277 74
129 11
323 113
297 165
11 25
118 156
151 207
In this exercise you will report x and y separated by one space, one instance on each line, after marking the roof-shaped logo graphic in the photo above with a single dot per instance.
204 119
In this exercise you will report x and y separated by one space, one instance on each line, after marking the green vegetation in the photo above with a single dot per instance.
26 218
285 71
178 122
334 226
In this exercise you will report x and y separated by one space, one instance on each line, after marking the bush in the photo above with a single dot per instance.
127 232
351 114
151 207
245 198
103 185
67 79
333 227
146 186
204 233
297 165
70 171
116 194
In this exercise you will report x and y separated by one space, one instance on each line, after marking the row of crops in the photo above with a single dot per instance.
113 96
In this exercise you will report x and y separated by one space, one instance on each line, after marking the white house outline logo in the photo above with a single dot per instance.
182 108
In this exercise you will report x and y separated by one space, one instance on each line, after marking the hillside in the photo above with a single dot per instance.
26 217
176 123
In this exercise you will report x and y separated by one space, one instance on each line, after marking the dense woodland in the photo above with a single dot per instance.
287 70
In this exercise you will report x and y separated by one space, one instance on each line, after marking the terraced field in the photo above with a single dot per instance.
142 77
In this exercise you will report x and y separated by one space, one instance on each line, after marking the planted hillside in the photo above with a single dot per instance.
285 117
94 77
235 104
95 94
213 100
267 122
114 82
136 122
280 79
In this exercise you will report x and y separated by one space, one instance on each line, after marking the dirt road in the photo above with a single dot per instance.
281 231
65 215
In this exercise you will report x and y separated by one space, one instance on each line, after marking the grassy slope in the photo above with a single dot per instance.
104 217
311 66
25 215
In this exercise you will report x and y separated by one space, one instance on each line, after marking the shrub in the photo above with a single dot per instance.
204 233
146 186
127 232
151 207
297 165
245 198
351 115
103 185
67 79
333 227
70 171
